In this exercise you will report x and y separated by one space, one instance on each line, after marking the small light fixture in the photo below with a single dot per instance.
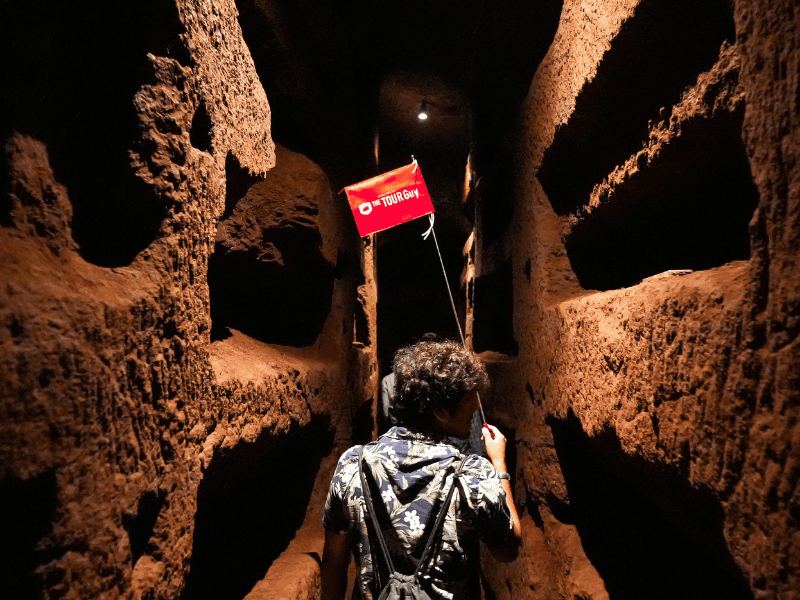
423 113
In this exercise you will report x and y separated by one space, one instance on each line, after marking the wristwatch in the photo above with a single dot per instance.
504 476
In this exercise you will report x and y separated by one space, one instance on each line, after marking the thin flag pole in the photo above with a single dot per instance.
425 235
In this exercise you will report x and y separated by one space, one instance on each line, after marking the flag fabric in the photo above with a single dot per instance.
389 199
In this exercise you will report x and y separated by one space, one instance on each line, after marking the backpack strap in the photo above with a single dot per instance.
371 511
434 531
439 519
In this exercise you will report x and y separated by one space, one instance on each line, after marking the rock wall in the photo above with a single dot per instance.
654 259
188 319
147 437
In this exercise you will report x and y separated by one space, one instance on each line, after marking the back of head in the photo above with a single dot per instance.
434 374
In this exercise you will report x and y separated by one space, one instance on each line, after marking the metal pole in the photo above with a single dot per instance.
455 313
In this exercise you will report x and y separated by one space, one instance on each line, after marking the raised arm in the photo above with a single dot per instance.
496 450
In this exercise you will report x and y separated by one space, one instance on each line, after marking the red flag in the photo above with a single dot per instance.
389 199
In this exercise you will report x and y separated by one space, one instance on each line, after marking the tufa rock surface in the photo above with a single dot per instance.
138 458
653 397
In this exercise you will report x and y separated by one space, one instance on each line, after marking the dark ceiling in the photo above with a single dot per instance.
335 73
346 82
325 65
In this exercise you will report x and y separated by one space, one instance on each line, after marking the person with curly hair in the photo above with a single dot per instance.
409 472
472 444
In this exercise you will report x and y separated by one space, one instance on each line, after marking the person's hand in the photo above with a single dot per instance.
495 446
496 450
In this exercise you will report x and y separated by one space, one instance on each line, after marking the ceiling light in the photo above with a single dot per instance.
423 111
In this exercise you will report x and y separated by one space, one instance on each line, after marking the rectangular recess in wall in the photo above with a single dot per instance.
687 209
657 53
493 312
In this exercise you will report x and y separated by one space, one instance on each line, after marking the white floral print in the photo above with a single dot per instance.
406 468
440 451
413 522
391 454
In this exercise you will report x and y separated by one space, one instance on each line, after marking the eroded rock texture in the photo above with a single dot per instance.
655 420
139 457
188 318
277 254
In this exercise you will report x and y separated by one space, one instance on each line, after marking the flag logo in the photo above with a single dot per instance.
389 199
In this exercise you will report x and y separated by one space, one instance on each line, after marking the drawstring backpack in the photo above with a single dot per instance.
401 586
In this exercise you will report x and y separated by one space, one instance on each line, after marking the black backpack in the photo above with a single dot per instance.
401 586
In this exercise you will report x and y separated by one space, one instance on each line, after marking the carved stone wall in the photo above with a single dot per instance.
188 317
654 257
146 443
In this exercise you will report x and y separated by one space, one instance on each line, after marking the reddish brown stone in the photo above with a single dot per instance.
648 375
127 436
668 405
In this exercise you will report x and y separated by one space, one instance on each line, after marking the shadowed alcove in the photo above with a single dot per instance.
242 524
192 331
648 532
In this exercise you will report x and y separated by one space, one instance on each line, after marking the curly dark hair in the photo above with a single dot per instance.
431 375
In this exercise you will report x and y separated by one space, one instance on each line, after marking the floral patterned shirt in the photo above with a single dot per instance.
413 473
